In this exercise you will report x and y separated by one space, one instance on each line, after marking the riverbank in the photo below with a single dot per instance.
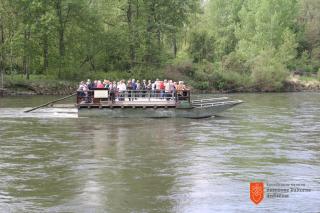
34 86
17 87
298 83
294 83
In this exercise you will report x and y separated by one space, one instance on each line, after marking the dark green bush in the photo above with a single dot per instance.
268 73
201 85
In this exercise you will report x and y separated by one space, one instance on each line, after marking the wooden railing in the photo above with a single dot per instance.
131 95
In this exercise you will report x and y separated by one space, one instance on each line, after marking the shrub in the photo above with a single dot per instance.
303 64
147 73
233 63
113 75
268 73
40 84
231 81
315 59
201 85
183 71
202 70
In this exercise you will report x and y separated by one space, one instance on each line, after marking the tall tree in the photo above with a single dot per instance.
223 20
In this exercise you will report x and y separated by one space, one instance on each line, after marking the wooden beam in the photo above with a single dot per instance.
51 102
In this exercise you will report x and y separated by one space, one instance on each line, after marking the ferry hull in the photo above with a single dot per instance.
156 112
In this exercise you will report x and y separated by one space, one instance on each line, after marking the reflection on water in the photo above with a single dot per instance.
58 162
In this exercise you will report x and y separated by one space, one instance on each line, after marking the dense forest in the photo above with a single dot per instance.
210 43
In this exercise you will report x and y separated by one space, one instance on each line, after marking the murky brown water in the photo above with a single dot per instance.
52 161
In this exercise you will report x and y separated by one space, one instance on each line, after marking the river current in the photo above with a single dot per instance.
53 161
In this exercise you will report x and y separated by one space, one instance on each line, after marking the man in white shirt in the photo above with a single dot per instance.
122 89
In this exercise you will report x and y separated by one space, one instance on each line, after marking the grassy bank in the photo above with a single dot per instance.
37 85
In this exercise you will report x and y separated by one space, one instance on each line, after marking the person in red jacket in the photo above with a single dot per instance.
162 87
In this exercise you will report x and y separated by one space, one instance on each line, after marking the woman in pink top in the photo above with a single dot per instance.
100 85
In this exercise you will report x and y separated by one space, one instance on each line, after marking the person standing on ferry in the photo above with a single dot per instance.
134 88
157 89
122 89
100 85
138 88
129 89
162 87
143 87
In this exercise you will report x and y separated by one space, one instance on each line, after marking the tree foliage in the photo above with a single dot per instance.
260 38
73 39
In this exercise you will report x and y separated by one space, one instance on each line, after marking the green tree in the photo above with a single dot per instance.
201 46
223 20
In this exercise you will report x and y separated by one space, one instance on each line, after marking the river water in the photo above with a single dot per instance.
53 161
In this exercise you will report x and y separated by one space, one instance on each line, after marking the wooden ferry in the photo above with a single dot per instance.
148 104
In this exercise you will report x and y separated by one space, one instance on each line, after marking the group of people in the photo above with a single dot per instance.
135 88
